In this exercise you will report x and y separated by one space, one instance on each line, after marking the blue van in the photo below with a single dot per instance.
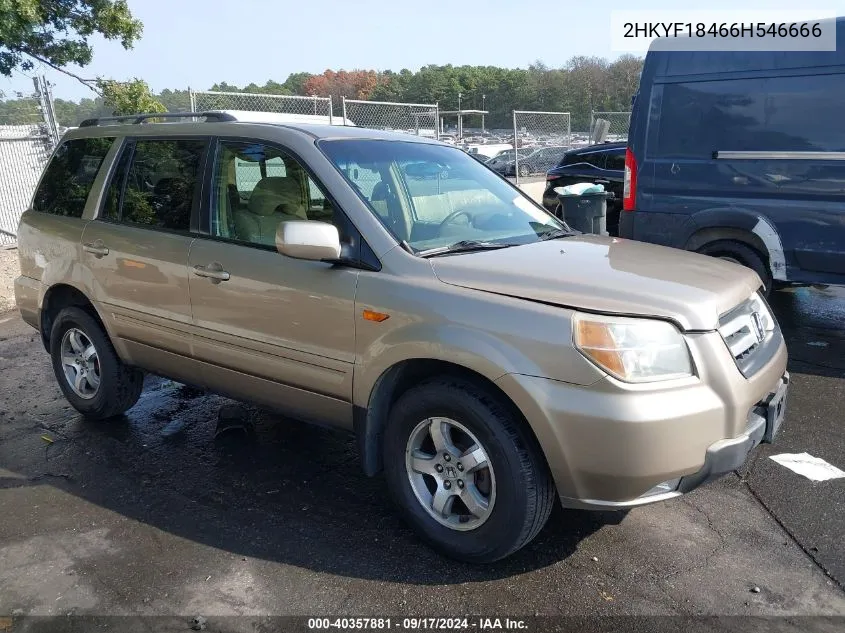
741 155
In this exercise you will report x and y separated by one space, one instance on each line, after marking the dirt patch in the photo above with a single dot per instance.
9 269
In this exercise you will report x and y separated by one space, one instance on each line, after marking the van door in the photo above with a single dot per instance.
764 154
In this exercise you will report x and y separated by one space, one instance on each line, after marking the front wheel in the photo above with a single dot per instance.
524 171
742 254
467 476
91 376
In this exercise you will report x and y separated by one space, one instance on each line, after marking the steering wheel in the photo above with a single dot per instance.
453 216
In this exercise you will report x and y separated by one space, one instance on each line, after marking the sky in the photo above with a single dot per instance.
198 43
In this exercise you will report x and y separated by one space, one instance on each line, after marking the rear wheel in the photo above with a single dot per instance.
742 254
91 376
524 171
468 478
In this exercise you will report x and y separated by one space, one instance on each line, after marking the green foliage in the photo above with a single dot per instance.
131 97
57 31
581 85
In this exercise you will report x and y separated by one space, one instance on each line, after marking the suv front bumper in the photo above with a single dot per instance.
614 446
721 458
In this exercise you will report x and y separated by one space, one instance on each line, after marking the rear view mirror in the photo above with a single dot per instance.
302 239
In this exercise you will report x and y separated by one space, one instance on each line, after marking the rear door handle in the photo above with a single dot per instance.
601 181
214 272
96 248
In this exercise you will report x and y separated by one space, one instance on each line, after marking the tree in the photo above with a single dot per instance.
131 97
355 84
57 32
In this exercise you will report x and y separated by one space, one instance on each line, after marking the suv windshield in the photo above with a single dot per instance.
433 196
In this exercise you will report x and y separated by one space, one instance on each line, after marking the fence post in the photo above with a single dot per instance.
569 129
437 120
343 106
331 99
193 99
515 150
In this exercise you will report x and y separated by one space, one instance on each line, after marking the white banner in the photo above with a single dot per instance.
742 30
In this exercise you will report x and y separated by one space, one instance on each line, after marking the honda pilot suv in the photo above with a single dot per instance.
489 360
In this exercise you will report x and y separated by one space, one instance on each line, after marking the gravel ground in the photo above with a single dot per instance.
9 269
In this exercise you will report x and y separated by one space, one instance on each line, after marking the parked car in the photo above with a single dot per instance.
743 162
532 160
598 164
502 161
540 160
487 358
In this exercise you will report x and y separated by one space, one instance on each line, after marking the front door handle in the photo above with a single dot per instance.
601 181
214 272
96 248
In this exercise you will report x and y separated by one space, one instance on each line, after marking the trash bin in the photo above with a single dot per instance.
586 212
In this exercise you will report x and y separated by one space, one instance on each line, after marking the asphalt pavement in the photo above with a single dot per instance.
152 514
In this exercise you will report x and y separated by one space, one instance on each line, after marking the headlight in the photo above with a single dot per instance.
633 350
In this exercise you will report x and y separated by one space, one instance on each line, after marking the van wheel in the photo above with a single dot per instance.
468 478
742 254
91 376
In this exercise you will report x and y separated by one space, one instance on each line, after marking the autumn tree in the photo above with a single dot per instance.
355 84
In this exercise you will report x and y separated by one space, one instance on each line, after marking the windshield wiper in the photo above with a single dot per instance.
555 234
464 246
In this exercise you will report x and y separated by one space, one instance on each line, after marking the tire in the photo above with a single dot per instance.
524 171
741 254
119 386
520 486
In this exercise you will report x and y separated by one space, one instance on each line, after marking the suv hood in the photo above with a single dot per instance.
610 275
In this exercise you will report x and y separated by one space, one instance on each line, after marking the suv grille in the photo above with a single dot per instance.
746 329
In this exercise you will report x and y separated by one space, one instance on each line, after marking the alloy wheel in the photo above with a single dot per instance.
80 363
450 473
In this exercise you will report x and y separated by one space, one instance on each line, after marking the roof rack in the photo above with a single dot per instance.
141 118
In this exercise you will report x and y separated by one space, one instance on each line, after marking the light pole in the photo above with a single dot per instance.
460 119
483 99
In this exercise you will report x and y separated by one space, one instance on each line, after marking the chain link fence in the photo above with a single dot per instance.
540 139
25 148
609 126
286 104
412 118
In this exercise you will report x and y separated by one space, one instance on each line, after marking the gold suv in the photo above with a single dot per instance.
488 358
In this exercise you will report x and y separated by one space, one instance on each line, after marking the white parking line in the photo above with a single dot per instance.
813 468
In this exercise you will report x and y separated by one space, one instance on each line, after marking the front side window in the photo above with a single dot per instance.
68 178
258 186
433 196
155 184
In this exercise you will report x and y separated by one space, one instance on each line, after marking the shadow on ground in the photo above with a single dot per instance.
288 492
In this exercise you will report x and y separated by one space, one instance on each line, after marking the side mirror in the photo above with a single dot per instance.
302 239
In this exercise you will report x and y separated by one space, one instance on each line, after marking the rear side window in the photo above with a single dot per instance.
68 178
155 184
596 159
616 161
765 114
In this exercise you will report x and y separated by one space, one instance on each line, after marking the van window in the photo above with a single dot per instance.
764 114
68 178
